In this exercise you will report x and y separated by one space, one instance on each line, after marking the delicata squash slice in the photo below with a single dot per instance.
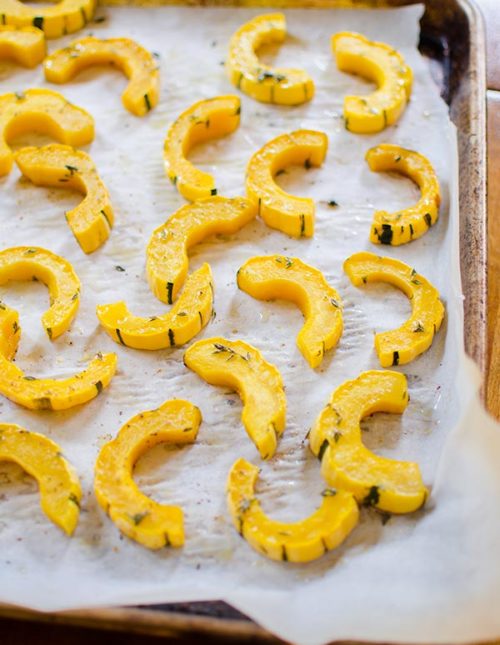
41 458
167 260
410 223
137 516
24 45
42 111
287 213
188 316
390 485
138 65
381 64
203 121
276 276
59 166
54 20
266 84
301 541
238 365
415 336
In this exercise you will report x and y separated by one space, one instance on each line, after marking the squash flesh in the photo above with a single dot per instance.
25 45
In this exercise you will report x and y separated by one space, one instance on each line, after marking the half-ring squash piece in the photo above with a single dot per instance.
287 213
26 263
238 365
24 45
60 166
276 276
186 319
42 111
384 66
167 260
407 224
55 20
138 65
41 458
301 541
266 84
415 336
390 485
203 121
137 516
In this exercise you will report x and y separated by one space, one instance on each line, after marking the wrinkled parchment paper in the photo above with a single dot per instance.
433 576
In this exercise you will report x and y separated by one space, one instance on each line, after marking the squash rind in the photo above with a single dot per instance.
55 20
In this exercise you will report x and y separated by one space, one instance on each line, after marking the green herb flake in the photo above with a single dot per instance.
72 169
138 517
73 498
120 268
373 497
418 328
329 492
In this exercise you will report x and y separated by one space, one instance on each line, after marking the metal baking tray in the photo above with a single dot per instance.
452 39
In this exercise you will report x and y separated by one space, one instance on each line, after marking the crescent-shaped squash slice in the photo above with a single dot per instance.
238 365
384 66
266 84
167 260
41 458
407 224
24 45
42 111
186 319
10 331
301 541
415 336
276 276
59 166
26 263
138 65
54 20
137 516
292 215
390 485
203 121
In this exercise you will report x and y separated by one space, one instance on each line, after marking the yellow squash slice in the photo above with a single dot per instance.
384 66
390 485
41 458
59 166
167 260
203 121
186 319
55 20
238 365
24 45
301 541
137 516
407 224
276 276
26 263
415 336
138 65
266 84
41 111
292 215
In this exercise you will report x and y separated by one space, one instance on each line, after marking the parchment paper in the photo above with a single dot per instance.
433 576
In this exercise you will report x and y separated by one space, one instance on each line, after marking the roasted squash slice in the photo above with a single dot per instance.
390 485
41 111
238 365
292 215
266 84
55 20
276 276
26 263
24 45
301 541
10 331
167 260
138 65
384 66
415 336
62 166
410 223
137 516
186 319
203 121
41 458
